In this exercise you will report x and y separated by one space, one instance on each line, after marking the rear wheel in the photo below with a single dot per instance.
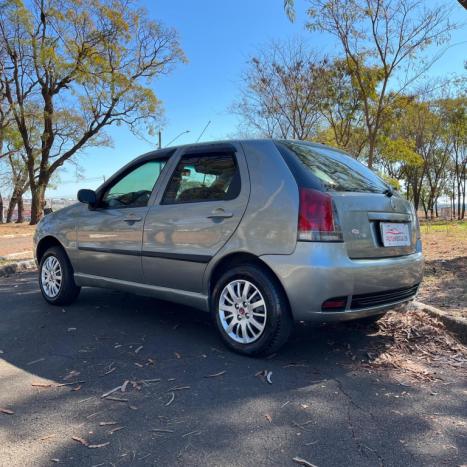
56 280
251 311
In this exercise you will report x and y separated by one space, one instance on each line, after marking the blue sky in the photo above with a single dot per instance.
217 37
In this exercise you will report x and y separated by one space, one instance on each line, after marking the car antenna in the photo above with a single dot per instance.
205 128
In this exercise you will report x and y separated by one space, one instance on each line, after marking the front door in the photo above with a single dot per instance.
201 207
110 235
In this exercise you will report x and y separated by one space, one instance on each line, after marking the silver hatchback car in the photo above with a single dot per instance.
258 233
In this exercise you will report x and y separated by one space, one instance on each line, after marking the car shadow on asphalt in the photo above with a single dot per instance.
190 401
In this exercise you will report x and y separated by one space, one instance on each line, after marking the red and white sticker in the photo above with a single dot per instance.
395 234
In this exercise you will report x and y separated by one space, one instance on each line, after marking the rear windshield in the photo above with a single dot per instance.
335 170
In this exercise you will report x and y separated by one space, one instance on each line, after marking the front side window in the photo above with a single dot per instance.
213 177
134 189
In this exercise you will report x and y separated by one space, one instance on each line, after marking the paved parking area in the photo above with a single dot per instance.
189 401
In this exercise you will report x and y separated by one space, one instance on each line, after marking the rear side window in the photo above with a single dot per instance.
335 170
213 177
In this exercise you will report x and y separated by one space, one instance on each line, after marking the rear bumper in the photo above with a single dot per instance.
316 272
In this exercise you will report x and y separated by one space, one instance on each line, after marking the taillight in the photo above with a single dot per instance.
317 218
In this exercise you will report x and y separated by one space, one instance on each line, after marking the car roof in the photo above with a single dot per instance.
171 149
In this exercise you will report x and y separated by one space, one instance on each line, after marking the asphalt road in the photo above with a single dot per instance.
323 405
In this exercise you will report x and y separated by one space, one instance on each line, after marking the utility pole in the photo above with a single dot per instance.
159 135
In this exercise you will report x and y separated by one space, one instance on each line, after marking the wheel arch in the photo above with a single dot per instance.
236 259
45 243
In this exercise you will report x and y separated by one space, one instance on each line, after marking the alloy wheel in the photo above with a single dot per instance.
242 311
51 277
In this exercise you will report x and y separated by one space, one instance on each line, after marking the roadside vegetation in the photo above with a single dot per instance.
69 69
372 97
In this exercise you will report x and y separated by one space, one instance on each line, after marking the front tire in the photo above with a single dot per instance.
56 279
251 311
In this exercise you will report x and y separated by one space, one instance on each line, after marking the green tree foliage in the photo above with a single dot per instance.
289 7
341 105
86 64
379 39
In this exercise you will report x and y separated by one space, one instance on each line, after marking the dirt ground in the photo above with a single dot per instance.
445 282
16 241
444 246
16 229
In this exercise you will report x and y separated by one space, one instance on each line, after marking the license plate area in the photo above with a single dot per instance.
394 234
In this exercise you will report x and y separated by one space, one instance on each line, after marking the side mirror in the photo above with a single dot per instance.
88 197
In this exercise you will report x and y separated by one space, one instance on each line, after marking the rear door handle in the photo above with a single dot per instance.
220 214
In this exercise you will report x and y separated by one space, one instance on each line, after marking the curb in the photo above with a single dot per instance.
457 326
13 268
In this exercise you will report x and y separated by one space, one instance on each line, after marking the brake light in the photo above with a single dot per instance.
317 218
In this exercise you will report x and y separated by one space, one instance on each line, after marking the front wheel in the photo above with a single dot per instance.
251 311
56 280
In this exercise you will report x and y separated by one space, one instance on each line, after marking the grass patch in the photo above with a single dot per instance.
442 225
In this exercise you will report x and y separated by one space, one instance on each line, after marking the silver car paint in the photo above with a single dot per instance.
309 272
188 229
309 281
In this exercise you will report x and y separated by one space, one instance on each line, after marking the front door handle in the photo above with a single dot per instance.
132 218
219 213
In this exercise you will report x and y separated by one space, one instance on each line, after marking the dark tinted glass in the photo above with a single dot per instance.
335 170
203 178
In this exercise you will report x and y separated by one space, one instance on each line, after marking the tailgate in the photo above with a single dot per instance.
362 216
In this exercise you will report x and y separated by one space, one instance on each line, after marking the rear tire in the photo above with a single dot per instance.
56 279
250 311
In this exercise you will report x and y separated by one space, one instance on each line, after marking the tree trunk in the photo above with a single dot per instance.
453 200
11 208
459 207
37 202
425 209
20 218
462 213
371 149
416 199
1 209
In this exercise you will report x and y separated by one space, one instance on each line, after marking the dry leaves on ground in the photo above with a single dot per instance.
417 345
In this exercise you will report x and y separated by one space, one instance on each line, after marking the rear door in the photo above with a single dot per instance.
199 210
369 213
110 236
